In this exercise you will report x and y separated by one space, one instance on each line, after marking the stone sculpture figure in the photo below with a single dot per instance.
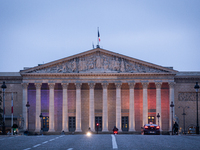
74 65
98 61
90 64
122 66
116 66
106 63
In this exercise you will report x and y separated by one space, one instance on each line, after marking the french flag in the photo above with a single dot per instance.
99 36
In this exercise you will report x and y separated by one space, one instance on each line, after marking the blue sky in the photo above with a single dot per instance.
162 32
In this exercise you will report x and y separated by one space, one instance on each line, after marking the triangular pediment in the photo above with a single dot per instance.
98 61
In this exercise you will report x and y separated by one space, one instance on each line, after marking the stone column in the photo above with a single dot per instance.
158 103
51 107
78 107
131 107
171 99
145 103
91 107
65 108
38 107
105 108
118 105
25 97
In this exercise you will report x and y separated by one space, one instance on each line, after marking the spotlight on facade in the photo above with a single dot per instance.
3 88
196 87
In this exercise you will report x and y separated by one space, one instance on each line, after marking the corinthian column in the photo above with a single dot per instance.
105 108
38 107
145 103
171 99
118 105
158 103
78 107
25 97
51 107
65 108
131 107
91 107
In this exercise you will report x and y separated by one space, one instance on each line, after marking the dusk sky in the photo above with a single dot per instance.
162 32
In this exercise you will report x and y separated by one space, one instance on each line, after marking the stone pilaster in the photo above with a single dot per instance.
158 103
38 107
91 107
131 107
65 108
145 103
78 107
25 98
118 105
171 99
51 107
105 107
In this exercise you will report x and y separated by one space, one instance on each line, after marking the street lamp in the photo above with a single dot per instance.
41 117
158 116
184 116
196 87
3 88
172 105
28 105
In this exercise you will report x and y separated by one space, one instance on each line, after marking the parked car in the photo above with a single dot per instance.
151 129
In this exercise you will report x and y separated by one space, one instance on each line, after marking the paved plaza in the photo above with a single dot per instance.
100 142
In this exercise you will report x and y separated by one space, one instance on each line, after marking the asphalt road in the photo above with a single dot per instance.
100 142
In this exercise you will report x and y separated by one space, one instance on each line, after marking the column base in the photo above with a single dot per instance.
105 130
65 130
37 130
131 130
78 130
51 130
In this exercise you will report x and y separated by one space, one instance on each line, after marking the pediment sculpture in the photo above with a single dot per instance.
98 62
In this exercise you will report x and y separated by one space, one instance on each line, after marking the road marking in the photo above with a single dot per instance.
70 149
27 148
37 145
51 139
114 143
45 142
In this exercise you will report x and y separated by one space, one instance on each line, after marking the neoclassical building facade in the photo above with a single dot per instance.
98 86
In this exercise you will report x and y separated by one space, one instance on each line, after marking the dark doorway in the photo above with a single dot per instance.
45 123
151 119
99 121
125 124
72 124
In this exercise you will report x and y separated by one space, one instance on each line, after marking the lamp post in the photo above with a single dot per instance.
3 88
41 117
158 116
196 87
172 105
27 106
184 116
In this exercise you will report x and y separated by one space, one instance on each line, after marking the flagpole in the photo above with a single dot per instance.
98 37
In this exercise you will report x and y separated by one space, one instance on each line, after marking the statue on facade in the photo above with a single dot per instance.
98 61
74 65
122 66
116 66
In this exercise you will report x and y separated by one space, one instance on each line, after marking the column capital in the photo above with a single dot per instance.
64 85
78 85
51 85
158 85
145 85
104 85
131 85
91 85
171 84
25 85
38 85
118 85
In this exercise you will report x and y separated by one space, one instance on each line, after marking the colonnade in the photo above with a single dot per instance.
91 105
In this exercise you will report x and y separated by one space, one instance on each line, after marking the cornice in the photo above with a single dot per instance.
93 74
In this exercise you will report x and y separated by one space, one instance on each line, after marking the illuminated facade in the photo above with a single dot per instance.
101 86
